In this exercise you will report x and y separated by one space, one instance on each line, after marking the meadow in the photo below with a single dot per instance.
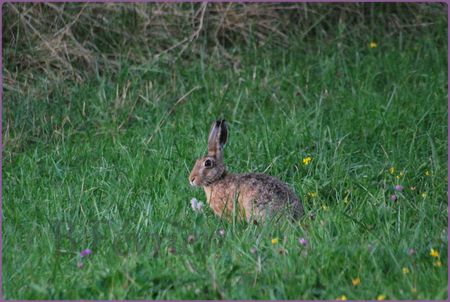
354 121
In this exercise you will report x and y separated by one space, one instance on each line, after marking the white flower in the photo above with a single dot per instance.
196 205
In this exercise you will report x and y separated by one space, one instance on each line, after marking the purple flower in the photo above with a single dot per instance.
303 241
85 253
411 252
398 188
253 250
222 232
196 205
394 197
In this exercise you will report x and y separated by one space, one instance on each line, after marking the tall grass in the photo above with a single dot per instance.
74 40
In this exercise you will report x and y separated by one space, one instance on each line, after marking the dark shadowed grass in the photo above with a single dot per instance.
104 166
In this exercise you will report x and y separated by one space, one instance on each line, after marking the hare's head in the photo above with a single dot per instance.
211 167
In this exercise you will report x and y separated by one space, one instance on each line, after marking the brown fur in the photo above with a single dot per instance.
257 196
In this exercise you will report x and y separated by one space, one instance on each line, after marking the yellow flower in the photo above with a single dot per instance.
401 173
356 281
312 194
381 297
373 44
325 207
405 270
345 199
275 240
424 195
342 298
427 173
392 170
437 263
398 176
307 160
434 253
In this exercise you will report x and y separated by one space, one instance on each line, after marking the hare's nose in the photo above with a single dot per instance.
191 181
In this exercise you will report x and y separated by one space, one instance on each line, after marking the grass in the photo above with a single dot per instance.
104 165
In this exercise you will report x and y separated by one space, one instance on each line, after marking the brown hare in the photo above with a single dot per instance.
256 196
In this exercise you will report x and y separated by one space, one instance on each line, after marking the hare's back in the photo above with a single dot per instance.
264 192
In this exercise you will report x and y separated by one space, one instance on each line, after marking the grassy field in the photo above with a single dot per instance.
104 165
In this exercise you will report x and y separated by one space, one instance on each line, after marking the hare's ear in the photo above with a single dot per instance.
217 138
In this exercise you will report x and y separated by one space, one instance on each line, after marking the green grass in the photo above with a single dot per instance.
87 166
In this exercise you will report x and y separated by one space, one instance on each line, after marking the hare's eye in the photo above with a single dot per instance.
208 163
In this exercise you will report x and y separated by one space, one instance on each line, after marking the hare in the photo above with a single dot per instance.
256 196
